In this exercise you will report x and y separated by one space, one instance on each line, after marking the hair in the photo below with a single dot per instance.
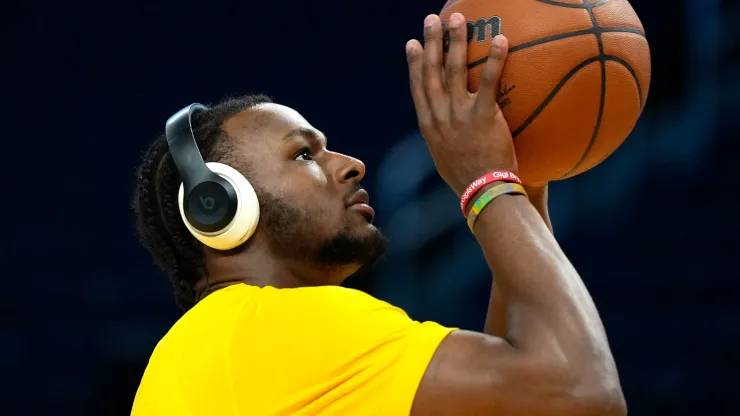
158 221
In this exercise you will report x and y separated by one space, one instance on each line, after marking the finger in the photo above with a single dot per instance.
491 74
456 68
434 84
415 58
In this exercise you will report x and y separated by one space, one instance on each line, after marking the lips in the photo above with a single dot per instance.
360 201
359 197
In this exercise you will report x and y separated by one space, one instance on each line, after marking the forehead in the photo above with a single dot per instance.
266 121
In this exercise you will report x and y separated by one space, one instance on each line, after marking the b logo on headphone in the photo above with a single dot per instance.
207 203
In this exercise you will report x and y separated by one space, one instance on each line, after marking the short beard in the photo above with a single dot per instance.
293 233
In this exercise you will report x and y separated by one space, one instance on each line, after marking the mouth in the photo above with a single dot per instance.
360 202
365 210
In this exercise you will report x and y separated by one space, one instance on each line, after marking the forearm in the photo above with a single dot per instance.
496 320
538 197
547 309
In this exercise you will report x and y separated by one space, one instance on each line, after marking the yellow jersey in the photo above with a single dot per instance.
329 350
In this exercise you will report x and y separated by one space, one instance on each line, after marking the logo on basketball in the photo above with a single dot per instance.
481 30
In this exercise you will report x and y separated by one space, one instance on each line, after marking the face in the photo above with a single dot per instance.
313 208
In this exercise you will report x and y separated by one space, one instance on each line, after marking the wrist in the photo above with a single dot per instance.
463 179
480 192
488 178
504 210
488 197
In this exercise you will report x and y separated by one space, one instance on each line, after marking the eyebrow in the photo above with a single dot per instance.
305 132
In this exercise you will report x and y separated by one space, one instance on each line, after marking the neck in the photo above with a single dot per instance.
257 266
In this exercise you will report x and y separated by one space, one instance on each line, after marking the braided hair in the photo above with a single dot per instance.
158 219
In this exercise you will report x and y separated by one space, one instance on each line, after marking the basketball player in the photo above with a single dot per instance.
269 331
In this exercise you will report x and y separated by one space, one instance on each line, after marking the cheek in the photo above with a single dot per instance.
325 213
317 174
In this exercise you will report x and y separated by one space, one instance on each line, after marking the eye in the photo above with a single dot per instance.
303 154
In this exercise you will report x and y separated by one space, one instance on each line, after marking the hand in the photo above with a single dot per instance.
466 133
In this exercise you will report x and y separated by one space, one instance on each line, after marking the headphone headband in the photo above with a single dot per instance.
184 149
209 201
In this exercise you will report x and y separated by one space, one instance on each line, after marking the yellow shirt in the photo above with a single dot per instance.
329 350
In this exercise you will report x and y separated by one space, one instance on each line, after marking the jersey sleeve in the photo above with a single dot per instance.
333 350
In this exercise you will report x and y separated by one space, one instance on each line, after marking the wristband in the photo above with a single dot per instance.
489 196
473 188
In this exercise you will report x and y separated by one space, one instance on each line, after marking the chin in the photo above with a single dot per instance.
360 221
363 230
357 244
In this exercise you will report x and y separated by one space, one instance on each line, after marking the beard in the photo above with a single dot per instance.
298 233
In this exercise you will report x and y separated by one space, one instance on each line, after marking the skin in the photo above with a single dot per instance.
543 351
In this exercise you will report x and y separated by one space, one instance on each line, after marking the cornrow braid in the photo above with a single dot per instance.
159 223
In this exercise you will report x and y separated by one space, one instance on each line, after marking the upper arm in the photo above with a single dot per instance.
477 374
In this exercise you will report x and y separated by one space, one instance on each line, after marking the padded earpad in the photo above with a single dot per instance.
247 212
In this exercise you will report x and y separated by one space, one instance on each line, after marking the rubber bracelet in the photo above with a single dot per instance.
489 196
473 188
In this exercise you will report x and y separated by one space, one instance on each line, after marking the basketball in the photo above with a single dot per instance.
575 81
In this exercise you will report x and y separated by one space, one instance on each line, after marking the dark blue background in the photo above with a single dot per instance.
653 230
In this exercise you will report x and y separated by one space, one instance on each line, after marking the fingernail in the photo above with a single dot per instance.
454 21
498 41
409 46
429 21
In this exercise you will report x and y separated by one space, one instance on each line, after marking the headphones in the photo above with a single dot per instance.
217 203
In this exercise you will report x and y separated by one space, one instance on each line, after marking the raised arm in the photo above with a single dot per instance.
550 355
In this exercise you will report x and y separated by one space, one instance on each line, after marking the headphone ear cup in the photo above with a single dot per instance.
247 212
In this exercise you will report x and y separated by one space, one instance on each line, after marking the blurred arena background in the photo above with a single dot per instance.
654 230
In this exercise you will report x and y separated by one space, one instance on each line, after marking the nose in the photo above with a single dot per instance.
349 168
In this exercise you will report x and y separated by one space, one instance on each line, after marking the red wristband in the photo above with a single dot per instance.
495 176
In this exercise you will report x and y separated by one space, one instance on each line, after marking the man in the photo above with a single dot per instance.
268 330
